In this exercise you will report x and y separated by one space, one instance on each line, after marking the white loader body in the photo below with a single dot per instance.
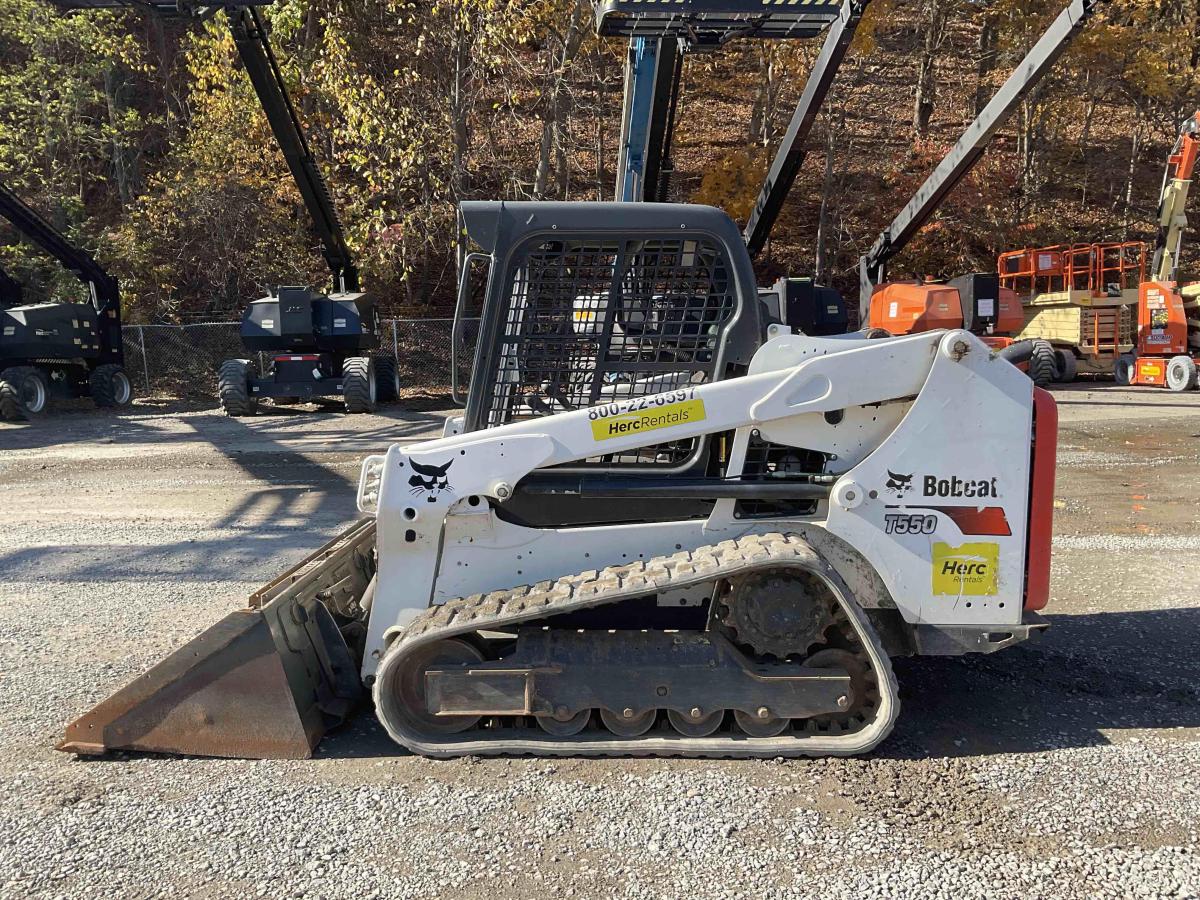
931 435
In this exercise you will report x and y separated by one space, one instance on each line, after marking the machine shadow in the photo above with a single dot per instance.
1062 691
298 502
293 472
1089 674
64 427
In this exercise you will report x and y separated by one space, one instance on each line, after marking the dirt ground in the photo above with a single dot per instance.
1069 766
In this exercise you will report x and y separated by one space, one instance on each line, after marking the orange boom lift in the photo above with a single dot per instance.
1166 355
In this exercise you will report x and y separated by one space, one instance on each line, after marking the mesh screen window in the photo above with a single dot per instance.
590 322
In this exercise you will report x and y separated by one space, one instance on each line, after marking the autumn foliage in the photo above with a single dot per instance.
142 138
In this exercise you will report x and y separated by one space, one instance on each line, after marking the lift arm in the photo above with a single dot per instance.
254 48
970 147
101 286
659 33
250 37
1172 207
652 74
790 156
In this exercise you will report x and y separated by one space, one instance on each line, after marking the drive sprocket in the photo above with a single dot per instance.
777 613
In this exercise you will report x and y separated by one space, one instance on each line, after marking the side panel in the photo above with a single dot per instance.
940 509
50 331
1150 371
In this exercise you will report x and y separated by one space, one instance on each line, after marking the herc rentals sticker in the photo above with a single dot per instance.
644 414
966 571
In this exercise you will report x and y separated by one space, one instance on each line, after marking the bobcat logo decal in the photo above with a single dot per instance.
429 479
899 484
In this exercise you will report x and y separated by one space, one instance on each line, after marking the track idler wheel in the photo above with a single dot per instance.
864 690
409 687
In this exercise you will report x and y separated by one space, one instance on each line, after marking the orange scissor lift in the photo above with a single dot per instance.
1103 307
1080 298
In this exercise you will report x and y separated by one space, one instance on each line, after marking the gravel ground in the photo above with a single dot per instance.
1069 767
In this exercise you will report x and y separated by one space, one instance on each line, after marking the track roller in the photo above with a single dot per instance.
627 723
565 727
760 724
696 723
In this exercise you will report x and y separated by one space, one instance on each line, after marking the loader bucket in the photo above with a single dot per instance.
263 683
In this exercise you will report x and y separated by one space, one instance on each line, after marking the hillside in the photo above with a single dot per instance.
142 138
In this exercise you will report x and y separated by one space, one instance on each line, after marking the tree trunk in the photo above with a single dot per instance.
988 52
542 174
459 109
758 108
561 162
934 34
1135 147
124 161
821 266
556 110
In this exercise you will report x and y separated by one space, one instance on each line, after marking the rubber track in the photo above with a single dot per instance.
498 610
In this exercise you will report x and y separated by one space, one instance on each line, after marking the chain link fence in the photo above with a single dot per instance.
183 359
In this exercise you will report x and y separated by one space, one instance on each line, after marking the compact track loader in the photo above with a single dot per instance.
721 568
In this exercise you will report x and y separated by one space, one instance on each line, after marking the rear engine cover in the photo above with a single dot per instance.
298 319
49 331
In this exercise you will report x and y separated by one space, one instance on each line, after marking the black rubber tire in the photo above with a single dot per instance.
359 384
110 386
387 379
1123 369
1066 366
32 391
875 334
11 407
1042 364
1181 373
233 387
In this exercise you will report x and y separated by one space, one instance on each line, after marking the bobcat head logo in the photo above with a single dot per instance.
429 479
898 484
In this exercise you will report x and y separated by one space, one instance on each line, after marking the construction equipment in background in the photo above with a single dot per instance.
64 350
977 301
1168 339
1079 298
660 36
723 568
1097 307
319 344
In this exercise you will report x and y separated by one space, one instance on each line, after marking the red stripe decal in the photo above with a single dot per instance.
989 520
976 520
